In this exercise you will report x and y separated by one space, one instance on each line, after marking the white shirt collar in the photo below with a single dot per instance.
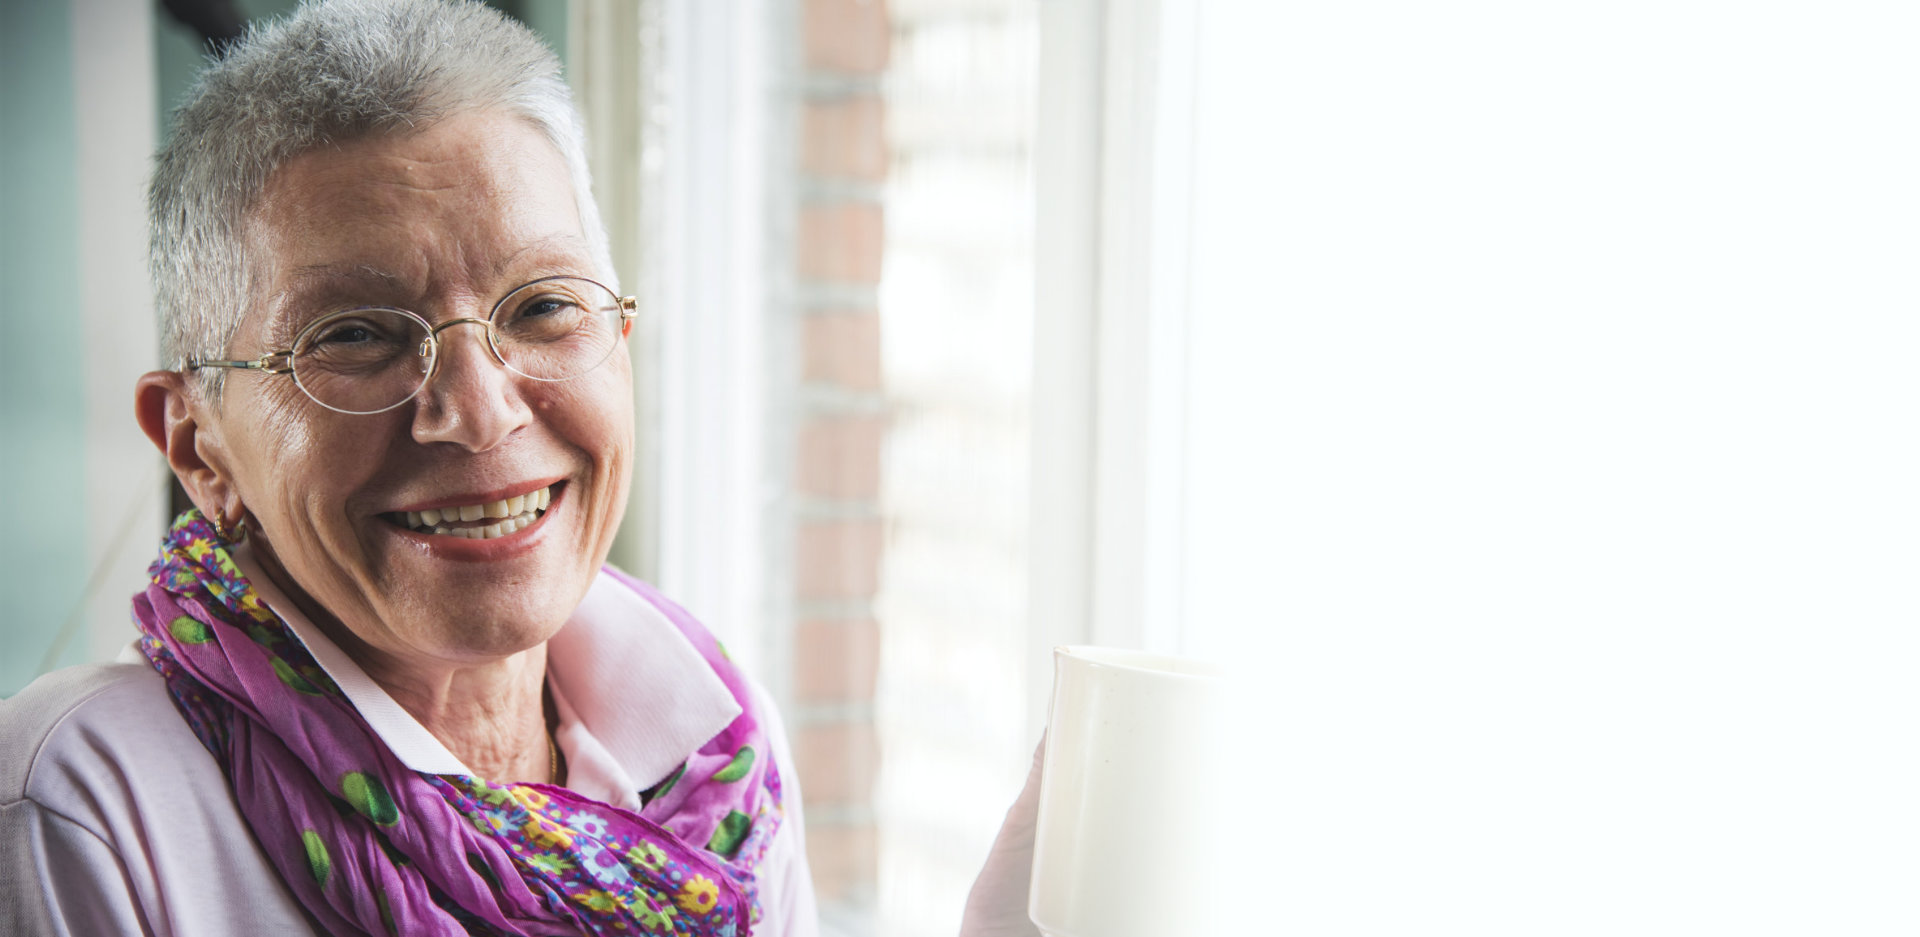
637 687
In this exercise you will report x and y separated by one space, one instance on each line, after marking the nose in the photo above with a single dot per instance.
471 400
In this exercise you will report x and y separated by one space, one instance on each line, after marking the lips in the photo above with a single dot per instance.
482 521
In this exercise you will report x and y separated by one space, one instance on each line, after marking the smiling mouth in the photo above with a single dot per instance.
478 521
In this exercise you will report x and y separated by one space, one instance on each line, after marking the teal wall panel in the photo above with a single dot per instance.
42 394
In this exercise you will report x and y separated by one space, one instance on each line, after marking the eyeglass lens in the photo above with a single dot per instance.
374 359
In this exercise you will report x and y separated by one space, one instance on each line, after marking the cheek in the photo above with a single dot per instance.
595 418
303 461
267 425
594 415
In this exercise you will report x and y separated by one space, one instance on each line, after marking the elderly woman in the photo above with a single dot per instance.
384 683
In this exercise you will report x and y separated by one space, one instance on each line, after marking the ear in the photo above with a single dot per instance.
171 412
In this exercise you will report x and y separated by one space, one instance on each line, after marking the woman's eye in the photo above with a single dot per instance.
359 331
545 306
348 334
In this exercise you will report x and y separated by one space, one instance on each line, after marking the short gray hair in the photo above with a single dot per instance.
335 70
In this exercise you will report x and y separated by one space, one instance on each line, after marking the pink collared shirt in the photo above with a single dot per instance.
117 821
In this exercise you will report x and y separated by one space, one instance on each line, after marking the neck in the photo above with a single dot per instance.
494 717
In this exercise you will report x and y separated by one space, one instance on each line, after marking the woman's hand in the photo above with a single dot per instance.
997 906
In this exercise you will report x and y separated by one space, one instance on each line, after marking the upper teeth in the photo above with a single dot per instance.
513 513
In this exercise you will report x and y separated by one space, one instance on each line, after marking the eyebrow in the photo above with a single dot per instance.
339 277
575 247
352 272
305 279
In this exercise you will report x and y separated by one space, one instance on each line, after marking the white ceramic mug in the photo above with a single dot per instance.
1135 805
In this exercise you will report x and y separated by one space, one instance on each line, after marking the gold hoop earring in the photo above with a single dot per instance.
234 534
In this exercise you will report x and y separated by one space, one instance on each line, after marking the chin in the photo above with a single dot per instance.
458 617
495 633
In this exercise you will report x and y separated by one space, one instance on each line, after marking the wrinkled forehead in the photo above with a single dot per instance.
456 213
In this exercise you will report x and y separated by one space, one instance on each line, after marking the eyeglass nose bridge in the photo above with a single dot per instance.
430 346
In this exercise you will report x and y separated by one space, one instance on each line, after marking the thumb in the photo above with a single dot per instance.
997 905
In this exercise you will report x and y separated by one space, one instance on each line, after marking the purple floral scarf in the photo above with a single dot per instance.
371 847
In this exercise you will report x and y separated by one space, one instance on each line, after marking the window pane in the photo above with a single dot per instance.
956 309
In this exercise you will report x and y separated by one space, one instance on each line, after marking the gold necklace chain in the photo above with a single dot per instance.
553 761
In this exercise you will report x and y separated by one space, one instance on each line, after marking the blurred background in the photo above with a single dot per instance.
1522 394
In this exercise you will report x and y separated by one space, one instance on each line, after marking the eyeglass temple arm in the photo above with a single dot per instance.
279 362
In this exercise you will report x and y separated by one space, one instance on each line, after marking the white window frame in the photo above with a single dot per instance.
1113 176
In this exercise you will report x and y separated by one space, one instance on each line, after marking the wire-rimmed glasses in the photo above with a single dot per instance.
374 358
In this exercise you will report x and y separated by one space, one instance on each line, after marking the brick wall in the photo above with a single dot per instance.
842 423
